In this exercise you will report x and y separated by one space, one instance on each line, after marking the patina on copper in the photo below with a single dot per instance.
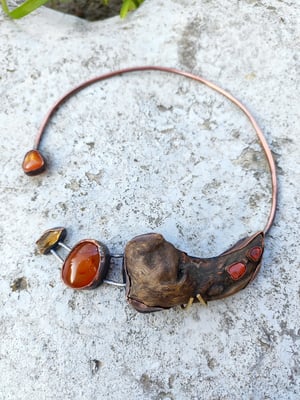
159 276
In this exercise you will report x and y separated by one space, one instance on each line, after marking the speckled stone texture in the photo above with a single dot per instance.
150 152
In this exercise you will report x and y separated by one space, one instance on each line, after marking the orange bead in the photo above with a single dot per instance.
85 266
33 163
237 270
255 253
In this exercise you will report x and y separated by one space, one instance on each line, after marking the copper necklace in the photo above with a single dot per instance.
157 276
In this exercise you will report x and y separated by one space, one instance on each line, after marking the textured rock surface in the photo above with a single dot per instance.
150 152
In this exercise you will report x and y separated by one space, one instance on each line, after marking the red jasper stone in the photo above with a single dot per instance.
86 265
33 163
255 253
237 270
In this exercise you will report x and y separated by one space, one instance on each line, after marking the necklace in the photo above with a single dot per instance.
156 274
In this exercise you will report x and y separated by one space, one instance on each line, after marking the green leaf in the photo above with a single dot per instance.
23 9
129 5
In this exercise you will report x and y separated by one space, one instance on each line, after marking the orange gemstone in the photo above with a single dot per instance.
237 270
255 253
81 268
33 163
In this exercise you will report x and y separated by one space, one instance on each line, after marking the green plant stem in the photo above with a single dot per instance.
26 8
129 5
30 5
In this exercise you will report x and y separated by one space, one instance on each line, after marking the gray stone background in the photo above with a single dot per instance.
150 152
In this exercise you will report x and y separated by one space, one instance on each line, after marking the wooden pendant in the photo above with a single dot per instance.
159 276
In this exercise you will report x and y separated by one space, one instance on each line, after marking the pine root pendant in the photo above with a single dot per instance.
158 276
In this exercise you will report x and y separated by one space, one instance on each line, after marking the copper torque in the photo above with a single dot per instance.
157 275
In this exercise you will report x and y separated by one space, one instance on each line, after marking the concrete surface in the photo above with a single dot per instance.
150 152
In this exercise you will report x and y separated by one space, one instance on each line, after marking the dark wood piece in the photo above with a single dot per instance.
159 276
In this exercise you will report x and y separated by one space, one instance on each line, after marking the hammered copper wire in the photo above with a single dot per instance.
213 86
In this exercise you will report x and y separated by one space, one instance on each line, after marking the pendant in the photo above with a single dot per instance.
158 276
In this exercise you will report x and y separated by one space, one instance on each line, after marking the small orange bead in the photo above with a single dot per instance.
255 253
81 267
33 163
237 270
